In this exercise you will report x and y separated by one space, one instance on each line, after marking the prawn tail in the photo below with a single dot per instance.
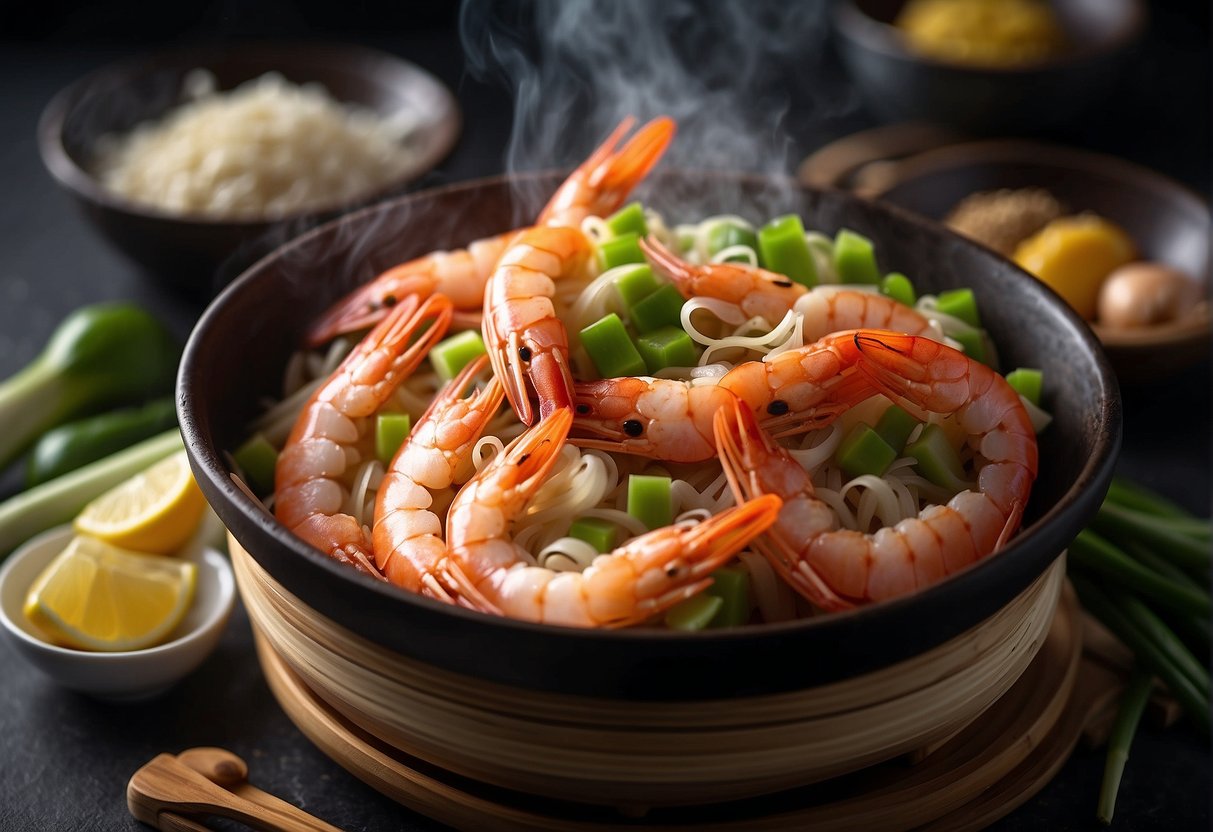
623 170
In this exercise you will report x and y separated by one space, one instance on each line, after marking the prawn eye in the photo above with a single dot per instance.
777 407
389 301
524 353
633 428
583 409
783 284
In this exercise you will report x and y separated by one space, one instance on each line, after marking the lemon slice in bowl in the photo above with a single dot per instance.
94 596
154 511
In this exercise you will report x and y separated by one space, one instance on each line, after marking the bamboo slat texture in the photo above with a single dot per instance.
976 776
650 754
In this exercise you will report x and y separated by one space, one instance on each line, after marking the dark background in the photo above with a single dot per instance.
64 759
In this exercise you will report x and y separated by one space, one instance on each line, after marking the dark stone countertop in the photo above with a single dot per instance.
65 759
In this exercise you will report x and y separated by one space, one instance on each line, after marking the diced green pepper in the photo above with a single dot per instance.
610 348
628 220
620 251
650 501
390 431
854 259
895 426
1027 383
936 459
662 308
455 353
694 613
974 343
257 458
782 248
864 452
601 534
727 234
731 584
669 346
959 303
897 286
635 285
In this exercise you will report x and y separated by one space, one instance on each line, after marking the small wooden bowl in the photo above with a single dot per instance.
1169 224
184 251
897 83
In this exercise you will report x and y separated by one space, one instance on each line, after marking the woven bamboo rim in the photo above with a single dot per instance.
964 783
649 753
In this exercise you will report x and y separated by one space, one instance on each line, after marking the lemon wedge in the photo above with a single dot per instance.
94 596
154 511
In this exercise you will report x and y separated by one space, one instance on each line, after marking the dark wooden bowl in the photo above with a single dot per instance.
898 83
239 347
185 251
1168 222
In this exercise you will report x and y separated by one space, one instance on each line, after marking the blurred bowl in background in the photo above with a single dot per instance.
185 251
1168 223
899 83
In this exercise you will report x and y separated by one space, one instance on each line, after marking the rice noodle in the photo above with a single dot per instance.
731 253
817 448
567 554
773 597
360 504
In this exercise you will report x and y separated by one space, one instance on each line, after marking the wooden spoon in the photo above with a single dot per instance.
226 769
167 790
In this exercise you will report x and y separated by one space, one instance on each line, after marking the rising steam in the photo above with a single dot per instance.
728 71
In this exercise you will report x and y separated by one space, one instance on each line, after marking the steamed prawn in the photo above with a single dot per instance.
526 340
638 580
598 186
407 535
793 392
459 274
839 568
770 295
332 433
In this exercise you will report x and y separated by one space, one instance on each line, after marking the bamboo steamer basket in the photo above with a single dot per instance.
649 753
647 718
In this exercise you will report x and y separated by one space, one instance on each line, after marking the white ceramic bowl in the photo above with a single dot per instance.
135 674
